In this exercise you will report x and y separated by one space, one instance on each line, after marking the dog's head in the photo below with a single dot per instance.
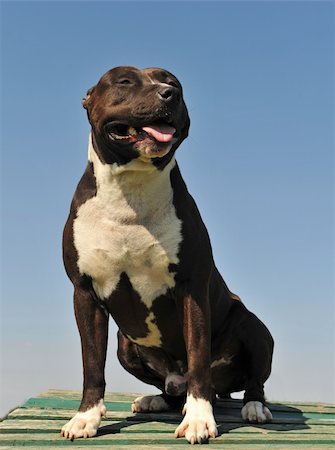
137 113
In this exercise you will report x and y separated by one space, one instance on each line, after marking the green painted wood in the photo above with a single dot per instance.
161 438
37 424
60 403
228 416
234 404
48 426
76 395
177 446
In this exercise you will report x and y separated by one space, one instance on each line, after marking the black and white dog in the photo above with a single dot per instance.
135 247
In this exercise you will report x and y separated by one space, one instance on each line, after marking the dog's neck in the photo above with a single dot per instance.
143 186
140 164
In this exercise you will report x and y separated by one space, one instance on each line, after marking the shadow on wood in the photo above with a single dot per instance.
228 416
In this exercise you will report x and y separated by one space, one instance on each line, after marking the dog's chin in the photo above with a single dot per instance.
149 148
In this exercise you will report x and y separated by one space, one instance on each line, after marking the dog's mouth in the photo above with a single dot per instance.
159 131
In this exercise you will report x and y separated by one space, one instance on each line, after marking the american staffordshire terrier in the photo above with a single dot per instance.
135 247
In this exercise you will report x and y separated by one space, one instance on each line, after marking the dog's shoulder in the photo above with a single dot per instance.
87 187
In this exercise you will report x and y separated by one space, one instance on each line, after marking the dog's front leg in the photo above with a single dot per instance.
92 323
199 423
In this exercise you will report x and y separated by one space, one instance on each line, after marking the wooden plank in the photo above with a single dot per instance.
279 407
38 422
25 413
60 403
228 416
159 438
76 395
48 426
125 406
221 403
263 446
178 446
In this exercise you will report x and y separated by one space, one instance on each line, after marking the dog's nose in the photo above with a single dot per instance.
169 94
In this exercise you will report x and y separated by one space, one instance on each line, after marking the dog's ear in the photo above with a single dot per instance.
86 99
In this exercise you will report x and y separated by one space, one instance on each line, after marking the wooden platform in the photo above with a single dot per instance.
37 424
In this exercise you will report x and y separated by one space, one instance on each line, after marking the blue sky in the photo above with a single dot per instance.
258 82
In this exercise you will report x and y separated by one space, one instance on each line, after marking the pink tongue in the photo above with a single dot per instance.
161 132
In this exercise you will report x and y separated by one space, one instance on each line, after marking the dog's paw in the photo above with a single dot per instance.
198 424
84 424
256 412
149 403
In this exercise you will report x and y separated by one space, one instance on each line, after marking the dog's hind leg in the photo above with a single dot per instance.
258 346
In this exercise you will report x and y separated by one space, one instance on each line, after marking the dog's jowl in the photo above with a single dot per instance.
135 248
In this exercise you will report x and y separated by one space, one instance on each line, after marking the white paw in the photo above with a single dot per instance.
84 424
256 412
149 403
199 423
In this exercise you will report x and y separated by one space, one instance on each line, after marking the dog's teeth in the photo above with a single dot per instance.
132 131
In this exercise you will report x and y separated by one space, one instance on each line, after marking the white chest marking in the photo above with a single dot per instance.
129 226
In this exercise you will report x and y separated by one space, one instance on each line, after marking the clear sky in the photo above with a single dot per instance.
258 82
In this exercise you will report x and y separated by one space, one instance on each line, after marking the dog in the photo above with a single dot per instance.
135 247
